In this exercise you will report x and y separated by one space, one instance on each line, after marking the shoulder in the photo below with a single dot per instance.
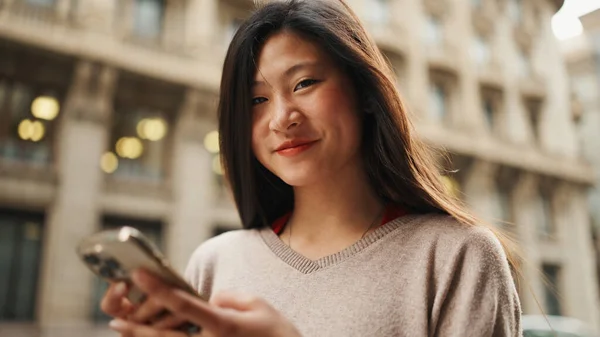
202 263
450 242
448 232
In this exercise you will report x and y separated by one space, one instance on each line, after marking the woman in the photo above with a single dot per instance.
348 230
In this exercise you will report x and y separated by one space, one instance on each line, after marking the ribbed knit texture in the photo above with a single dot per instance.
414 276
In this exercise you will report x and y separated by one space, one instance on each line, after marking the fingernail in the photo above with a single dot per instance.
121 289
117 324
138 276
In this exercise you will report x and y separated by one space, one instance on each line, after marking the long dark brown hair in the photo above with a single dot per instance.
400 168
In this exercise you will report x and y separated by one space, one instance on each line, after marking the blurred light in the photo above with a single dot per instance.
153 129
216 165
566 27
45 107
211 142
109 162
129 147
31 130
451 186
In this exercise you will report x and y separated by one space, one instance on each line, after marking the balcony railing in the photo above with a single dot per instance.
37 12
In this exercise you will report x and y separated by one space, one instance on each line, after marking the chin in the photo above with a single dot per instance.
297 178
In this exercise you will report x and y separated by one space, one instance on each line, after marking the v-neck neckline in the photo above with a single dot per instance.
307 266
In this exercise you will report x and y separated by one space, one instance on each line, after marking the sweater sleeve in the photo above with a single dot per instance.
479 297
199 272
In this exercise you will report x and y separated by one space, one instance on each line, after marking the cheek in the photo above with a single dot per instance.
258 139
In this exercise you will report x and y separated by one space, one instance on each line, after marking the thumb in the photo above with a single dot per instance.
236 300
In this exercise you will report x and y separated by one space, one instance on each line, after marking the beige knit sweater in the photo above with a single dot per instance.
414 276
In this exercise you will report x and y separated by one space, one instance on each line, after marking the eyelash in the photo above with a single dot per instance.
306 83
310 82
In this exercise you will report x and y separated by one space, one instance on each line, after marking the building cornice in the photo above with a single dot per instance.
557 4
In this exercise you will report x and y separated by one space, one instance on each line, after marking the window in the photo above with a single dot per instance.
20 248
138 144
480 50
524 64
148 18
398 66
515 10
441 95
452 186
41 3
140 138
434 31
476 3
28 114
534 111
151 229
438 101
547 224
211 144
551 287
491 106
378 11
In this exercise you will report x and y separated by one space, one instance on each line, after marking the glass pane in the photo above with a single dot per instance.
42 3
433 31
488 108
20 240
30 238
553 306
524 64
139 141
28 137
148 18
480 51
7 248
515 10
438 103
379 11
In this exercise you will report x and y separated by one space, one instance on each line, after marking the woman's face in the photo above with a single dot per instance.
306 125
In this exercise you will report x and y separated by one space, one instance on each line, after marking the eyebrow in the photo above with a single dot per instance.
292 70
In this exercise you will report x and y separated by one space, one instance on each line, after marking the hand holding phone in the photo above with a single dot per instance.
114 255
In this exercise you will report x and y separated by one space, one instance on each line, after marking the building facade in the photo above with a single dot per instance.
582 54
107 117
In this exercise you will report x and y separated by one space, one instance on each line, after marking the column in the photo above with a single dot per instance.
526 219
193 187
66 283
201 24
580 283
479 188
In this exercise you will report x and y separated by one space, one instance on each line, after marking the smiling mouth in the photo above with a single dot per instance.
294 149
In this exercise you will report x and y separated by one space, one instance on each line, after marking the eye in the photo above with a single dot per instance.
305 83
258 100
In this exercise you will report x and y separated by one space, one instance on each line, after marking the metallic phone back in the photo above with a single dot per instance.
131 250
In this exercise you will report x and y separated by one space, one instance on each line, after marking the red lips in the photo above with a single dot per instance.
294 147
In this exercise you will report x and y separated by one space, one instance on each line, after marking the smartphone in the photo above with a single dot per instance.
114 254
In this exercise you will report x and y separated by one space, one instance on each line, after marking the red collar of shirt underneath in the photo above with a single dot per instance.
391 212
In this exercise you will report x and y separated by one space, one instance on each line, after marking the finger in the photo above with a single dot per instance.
168 322
131 329
114 302
148 311
178 302
236 300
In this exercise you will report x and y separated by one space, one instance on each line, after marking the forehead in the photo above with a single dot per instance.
286 49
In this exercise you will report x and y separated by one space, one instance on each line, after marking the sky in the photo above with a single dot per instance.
566 24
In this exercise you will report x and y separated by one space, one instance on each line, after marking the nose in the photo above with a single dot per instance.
285 115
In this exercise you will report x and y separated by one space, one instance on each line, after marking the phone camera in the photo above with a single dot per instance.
106 272
91 259
112 264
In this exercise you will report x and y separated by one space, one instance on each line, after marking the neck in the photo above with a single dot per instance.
340 208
